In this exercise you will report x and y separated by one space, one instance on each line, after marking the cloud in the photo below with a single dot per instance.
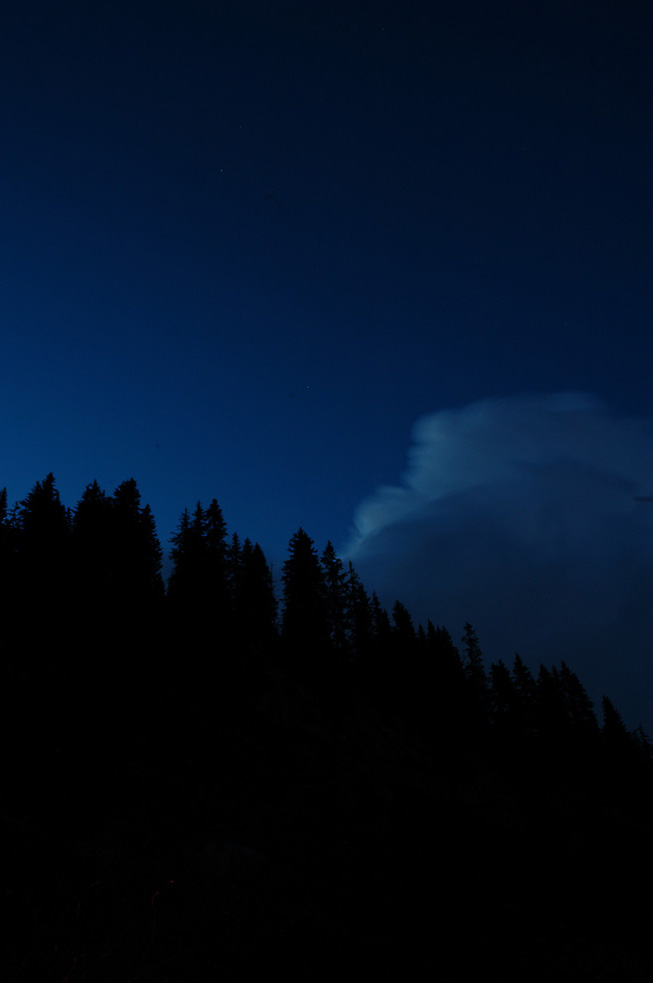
524 515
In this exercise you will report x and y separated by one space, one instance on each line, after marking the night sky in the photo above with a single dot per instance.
381 270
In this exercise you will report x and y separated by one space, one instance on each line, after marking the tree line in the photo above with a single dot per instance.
312 722
92 575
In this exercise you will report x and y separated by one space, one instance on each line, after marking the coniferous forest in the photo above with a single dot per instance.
223 777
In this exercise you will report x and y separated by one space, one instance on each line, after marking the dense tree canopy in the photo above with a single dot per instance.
259 688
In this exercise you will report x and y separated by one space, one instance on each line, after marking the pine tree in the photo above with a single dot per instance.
580 709
255 610
95 569
7 572
43 522
476 675
381 662
43 566
5 539
551 714
525 690
614 729
502 695
217 574
360 621
137 549
525 684
446 715
92 528
380 622
445 656
216 535
474 667
181 556
304 623
404 629
335 599
233 569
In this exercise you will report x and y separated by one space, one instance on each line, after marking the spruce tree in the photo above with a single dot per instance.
92 528
8 585
381 663
44 526
447 718
381 622
614 730
137 549
255 612
474 667
304 623
404 629
95 567
524 682
233 569
525 689
335 600
360 620
181 556
217 574
43 555
476 676
551 712
502 696
580 709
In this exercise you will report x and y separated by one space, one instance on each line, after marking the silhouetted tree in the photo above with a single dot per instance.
304 623
551 714
525 689
360 621
200 587
404 629
476 676
255 610
503 699
216 551
447 686
381 661
614 729
182 554
233 567
381 623
44 530
137 549
96 569
403 668
645 748
580 709
445 659
335 600
473 658
93 544
43 557
7 573
524 681
5 540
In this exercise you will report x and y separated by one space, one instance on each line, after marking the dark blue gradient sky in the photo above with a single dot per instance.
247 245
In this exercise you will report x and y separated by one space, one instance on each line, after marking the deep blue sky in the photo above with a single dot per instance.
247 245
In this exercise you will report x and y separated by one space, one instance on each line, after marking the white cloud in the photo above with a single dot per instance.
520 515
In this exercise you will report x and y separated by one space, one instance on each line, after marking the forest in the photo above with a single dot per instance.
222 775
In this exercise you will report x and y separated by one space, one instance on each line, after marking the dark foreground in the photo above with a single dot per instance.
152 838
